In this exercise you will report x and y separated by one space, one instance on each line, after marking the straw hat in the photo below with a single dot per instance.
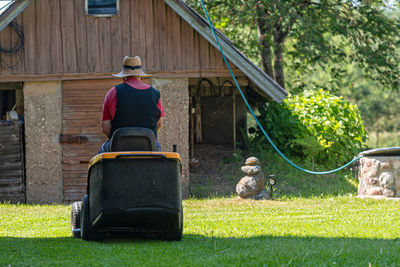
131 66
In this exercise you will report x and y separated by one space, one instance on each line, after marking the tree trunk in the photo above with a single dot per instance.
278 56
264 36
279 40
377 136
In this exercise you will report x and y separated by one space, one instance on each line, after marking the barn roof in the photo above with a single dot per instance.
12 11
268 86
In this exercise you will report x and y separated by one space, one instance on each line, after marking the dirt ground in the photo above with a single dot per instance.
214 171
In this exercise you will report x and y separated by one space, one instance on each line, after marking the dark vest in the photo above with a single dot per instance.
136 108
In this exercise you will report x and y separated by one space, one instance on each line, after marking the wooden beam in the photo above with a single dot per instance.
10 86
234 121
85 76
242 81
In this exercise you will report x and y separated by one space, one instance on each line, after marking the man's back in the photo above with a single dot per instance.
136 108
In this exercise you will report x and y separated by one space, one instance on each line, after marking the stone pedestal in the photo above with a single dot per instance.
175 99
43 124
379 173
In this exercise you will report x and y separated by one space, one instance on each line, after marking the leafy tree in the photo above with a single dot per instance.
309 33
379 108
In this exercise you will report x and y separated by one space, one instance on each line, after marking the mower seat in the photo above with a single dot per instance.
133 139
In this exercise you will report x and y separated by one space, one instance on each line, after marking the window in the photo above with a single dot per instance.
103 8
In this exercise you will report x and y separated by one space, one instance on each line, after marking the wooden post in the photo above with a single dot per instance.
191 126
234 120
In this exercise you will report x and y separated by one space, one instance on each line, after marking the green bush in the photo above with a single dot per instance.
316 126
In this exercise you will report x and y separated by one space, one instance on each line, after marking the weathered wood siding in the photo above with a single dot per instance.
12 171
82 105
61 39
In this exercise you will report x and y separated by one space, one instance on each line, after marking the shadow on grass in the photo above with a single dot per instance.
199 250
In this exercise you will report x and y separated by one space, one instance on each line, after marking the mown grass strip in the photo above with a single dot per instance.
340 231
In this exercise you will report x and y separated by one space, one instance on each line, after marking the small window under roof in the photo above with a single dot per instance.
102 8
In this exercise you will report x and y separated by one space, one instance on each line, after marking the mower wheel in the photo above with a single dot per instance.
87 232
175 236
76 219
180 232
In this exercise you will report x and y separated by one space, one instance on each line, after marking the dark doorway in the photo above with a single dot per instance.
217 120
12 145
7 102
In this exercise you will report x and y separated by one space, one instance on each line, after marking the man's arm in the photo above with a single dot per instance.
108 111
106 127
162 114
159 124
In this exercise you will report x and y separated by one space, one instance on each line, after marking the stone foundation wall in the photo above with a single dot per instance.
43 124
175 99
379 176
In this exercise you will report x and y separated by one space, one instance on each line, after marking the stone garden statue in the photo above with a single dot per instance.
253 184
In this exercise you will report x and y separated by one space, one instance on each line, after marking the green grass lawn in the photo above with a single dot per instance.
338 231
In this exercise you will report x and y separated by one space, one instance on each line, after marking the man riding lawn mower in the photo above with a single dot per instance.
133 190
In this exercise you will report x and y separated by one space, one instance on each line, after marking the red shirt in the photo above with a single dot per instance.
110 101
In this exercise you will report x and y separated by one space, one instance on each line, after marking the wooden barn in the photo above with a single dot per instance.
56 61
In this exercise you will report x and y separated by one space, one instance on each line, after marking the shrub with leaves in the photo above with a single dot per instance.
316 126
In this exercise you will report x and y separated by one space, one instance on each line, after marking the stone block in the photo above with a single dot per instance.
246 187
252 161
43 124
389 192
380 175
175 98
249 186
386 179
251 170
374 191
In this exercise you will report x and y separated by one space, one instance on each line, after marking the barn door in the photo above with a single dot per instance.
81 136
217 120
